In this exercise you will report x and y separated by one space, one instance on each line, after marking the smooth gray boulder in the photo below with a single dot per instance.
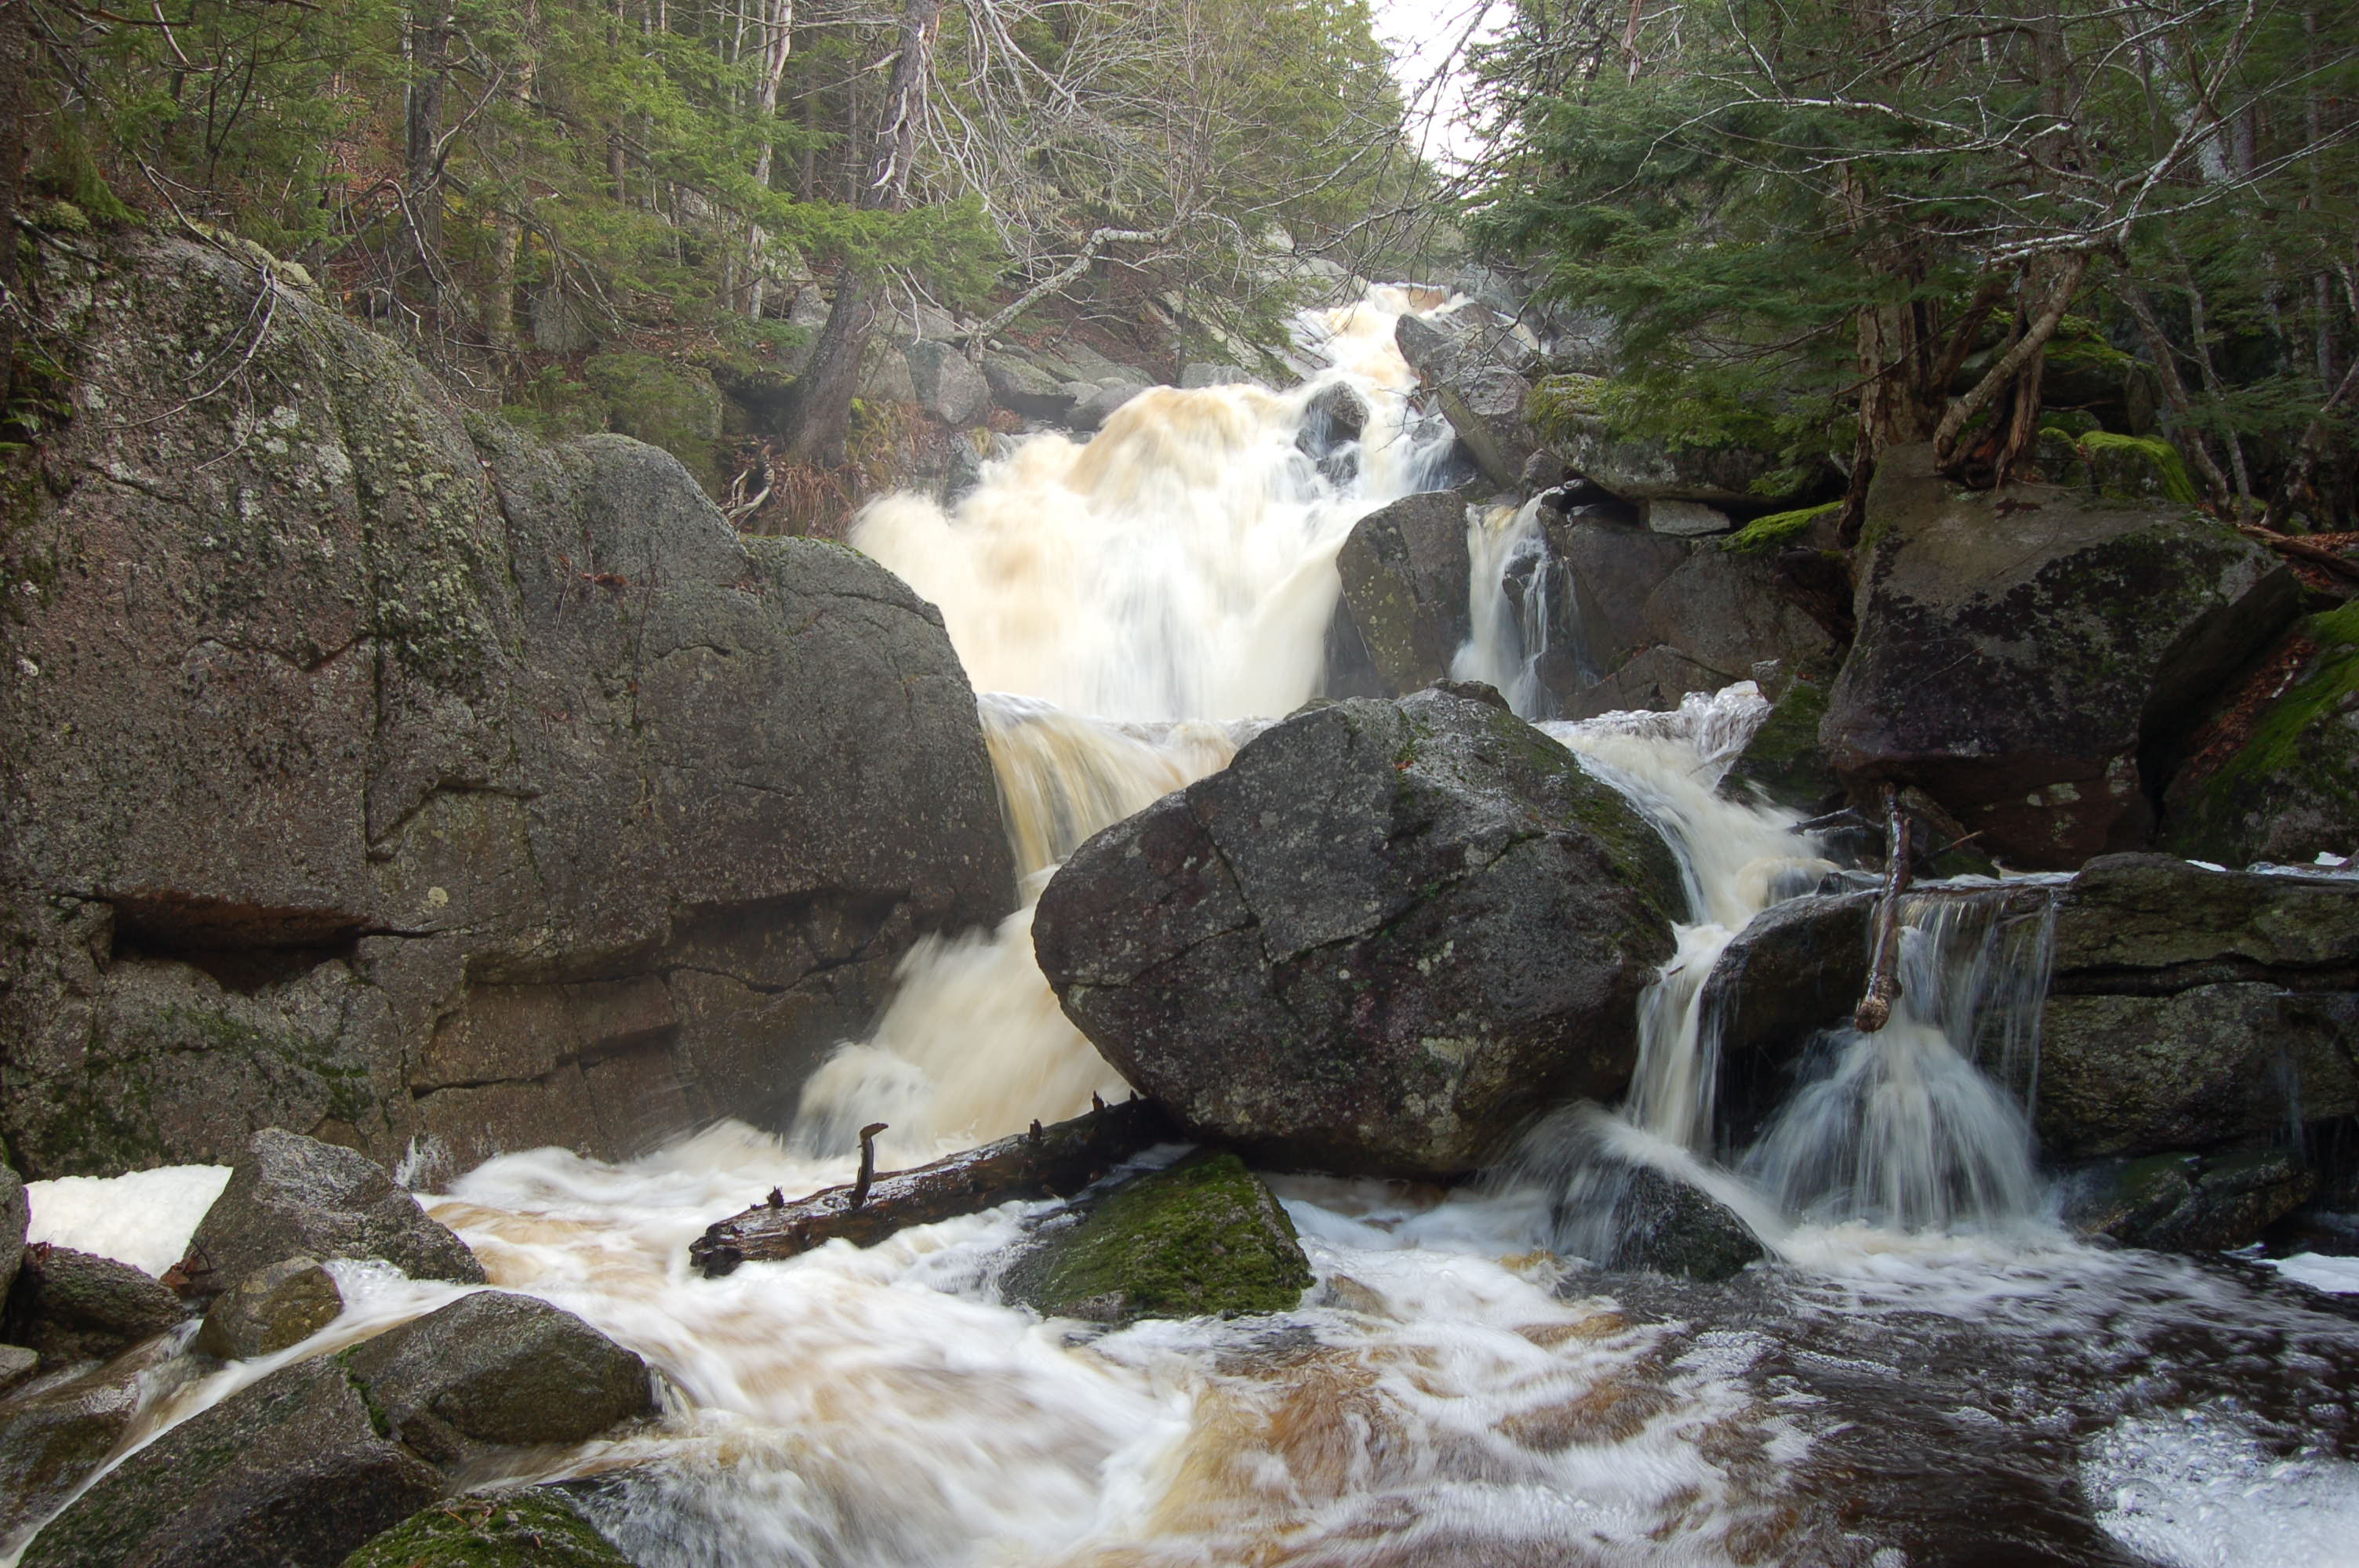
274 1306
464 787
1200 372
947 384
16 1216
1473 363
1405 571
293 1196
1022 387
1092 410
1374 943
73 1306
2018 650
56 1433
497 1369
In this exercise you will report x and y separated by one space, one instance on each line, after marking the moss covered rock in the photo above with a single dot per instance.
1784 763
2283 785
1405 570
2186 1203
1202 1239
535 1527
1373 943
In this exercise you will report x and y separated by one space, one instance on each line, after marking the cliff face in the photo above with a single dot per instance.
374 771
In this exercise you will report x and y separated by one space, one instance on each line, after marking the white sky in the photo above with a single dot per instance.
1422 35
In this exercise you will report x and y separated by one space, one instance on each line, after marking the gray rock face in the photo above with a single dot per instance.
2195 1010
1405 575
497 1369
278 1305
2014 651
460 786
54 1434
948 385
1666 1227
885 375
1199 373
1091 411
1474 363
1022 387
1728 612
1797 968
2186 1203
1330 432
1374 944
1683 519
70 1306
304 1466
288 1471
17 1364
16 1214
294 1197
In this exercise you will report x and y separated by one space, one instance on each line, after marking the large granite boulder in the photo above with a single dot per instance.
378 773
1405 571
306 1466
292 1196
1202 1239
2275 775
1471 361
1567 414
273 1308
948 385
55 1432
1380 939
2017 648
2192 1010
73 1306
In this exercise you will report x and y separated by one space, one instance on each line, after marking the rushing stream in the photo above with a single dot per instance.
1925 1371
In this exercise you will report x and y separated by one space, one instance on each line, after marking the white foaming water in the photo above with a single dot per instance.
1507 635
2197 1489
144 1218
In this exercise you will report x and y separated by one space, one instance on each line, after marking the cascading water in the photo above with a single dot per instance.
1449 1393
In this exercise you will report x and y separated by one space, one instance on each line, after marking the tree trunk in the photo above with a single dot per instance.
2018 369
778 39
16 104
429 45
1047 1161
507 223
818 416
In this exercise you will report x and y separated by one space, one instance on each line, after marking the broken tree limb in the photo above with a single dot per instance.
2301 549
1874 1009
1045 1162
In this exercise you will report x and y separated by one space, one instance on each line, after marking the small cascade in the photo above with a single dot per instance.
1914 1127
1507 605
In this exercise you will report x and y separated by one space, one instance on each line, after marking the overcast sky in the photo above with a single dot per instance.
1423 35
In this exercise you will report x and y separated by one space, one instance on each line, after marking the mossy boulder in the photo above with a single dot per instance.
1202 1239
1374 943
535 1527
2280 784
2018 652
1405 572
272 1308
1569 415
1783 762
2186 1203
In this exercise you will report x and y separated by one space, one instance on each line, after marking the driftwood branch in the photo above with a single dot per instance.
2299 548
1047 1161
1884 969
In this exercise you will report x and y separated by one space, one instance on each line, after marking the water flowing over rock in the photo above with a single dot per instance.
1374 944
2016 649
54 1434
295 1198
270 1309
1471 362
383 774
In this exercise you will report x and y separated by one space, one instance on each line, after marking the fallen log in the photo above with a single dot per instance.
1874 1009
1047 1161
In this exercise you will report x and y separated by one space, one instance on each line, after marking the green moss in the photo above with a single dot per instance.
1763 532
2119 465
2279 758
1783 761
1201 1239
1556 403
533 1528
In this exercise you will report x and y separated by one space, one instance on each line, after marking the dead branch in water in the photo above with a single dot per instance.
1047 1161
1874 1009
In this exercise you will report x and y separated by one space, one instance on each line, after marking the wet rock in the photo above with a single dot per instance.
535 1527
73 1306
291 1471
1372 944
2186 1203
16 1216
1565 412
1200 374
464 787
1405 576
1094 410
1654 679
2280 784
1022 387
499 1370
2193 1009
2065 633
56 1433
295 1198
1613 572
1683 519
1729 611
1330 432
17 1364
1472 362
1202 1239
948 385
1783 762
274 1306
1666 1227
1797 968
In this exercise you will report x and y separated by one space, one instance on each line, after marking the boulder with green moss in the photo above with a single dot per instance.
2019 650
1570 414
1404 568
372 770
2186 1203
1783 762
1373 942
1201 1239
535 1527
2282 784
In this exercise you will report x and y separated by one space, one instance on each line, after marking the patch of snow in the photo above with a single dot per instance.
144 1218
